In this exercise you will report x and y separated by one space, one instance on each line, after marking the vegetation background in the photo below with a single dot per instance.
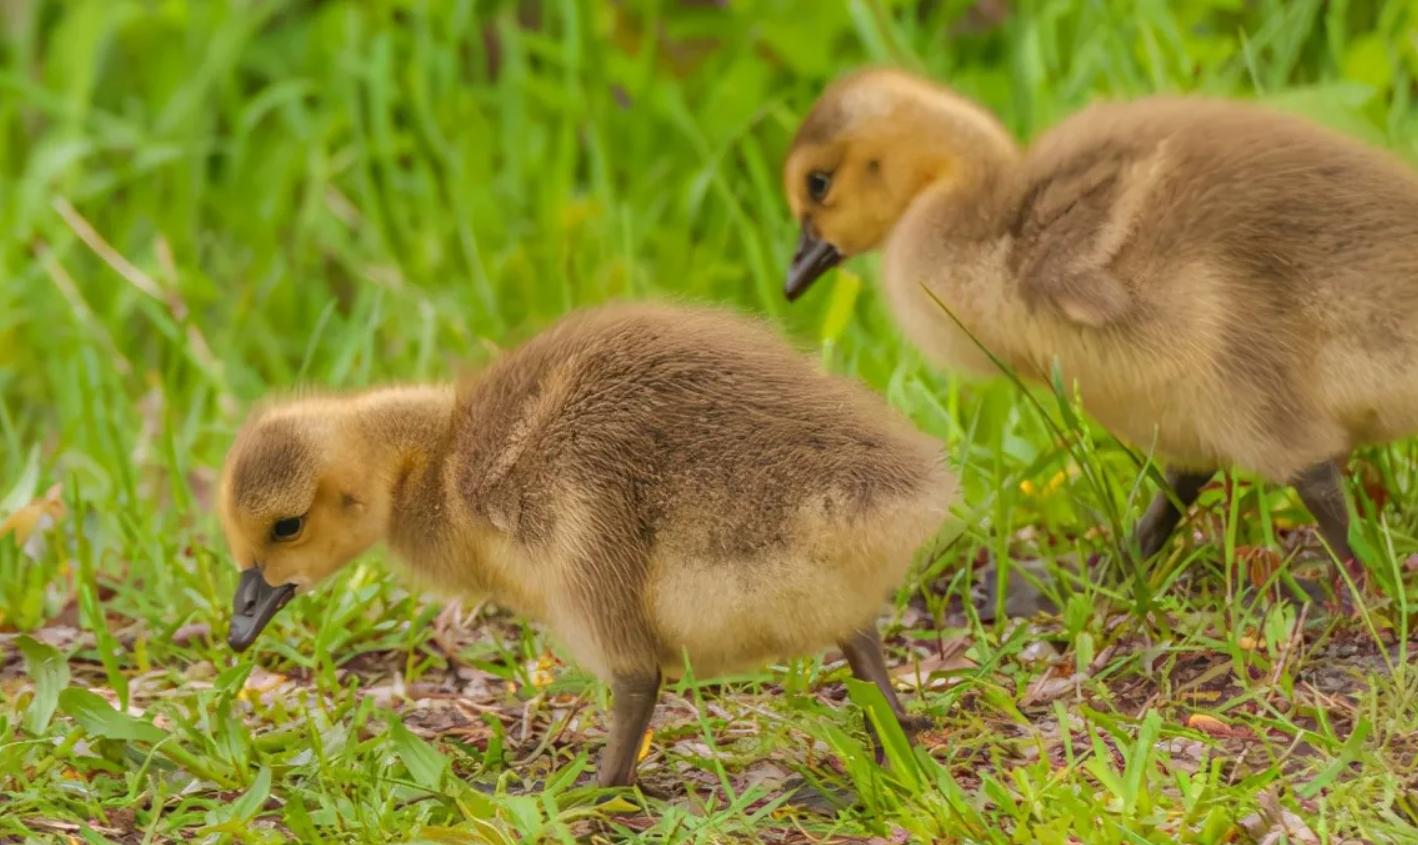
203 201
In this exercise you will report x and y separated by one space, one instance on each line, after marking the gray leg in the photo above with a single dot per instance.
1321 488
864 655
635 696
1161 518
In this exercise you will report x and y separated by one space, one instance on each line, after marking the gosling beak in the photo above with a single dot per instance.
811 259
253 606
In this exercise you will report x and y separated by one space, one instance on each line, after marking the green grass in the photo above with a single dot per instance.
201 202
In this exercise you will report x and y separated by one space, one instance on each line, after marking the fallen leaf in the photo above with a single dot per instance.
1275 824
1039 651
1102 659
617 805
645 744
1201 695
39 515
202 482
925 673
1213 726
188 633
68 827
1372 482
981 16
386 695
690 748
933 738
1049 688
1261 563
66 638
767 775
260 682
263 680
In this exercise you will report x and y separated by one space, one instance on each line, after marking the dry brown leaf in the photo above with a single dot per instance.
1213 726
188 633
1183 754
1275 824
70 827
259 683
1372 481
694 748
386 695
39 515
1101 659
764 774
1261 562
1200 695
1048 688
1039 651
925 673
202 482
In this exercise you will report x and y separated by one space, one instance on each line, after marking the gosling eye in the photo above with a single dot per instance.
287 529
818 184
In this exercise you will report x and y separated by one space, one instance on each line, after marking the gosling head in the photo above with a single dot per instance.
296 505
871 144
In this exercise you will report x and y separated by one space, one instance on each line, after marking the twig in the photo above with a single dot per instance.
65 283
137 278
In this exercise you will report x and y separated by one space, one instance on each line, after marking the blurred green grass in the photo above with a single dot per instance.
202 202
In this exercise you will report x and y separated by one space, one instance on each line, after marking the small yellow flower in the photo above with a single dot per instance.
645 744
542 673
1028 487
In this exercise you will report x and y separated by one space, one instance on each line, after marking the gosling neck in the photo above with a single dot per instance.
949 239
403 428
975 182
969 176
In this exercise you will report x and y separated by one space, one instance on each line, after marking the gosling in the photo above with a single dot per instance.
649 481
1229 285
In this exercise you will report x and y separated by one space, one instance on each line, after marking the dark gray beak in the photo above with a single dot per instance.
811 259
253 606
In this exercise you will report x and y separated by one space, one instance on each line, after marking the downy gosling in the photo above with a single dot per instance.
1232 285
648 481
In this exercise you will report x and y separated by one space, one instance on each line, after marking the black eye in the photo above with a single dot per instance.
818 184
287 529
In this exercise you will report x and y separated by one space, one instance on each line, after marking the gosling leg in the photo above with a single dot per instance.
864 656
1161 518
635 695
1321 488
